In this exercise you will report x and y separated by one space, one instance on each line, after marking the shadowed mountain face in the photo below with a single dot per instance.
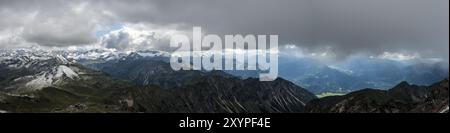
400 99
215 94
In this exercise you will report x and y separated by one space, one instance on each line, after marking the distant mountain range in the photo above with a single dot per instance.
142 81
355 73
347 76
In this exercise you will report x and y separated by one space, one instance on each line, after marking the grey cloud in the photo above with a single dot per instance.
288 18
347 26
123 40
132 38
383 25
52 22
344 26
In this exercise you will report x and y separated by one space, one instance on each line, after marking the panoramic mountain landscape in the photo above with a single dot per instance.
218 56
101 80
224 65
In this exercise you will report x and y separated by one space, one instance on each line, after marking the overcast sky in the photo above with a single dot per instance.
343 27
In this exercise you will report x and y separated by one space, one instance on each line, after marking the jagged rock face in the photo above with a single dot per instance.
400 99
436 99
227 95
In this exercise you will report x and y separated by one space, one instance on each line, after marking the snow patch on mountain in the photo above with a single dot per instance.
2 111
65 71
41 81
47 79
94 54
153 53
444 110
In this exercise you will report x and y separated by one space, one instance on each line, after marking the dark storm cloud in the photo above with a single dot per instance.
344 26
289 18
383 25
